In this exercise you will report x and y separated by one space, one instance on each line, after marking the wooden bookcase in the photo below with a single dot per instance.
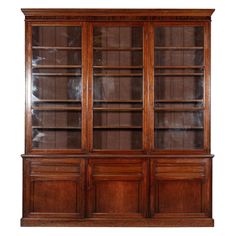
117 118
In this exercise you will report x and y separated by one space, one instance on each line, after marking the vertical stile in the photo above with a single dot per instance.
84 135
151 87
90 86
207 85
28 89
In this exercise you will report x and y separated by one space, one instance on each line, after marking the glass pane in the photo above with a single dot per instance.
179 139
179 36
170 57
179 130
56 57
179 78
56 87
56 129
117 119
56 139
117 58
117 140
179 120
56 119
60 36
117 87
178 88
118 37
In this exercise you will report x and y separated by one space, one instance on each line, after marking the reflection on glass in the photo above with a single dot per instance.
56 57
67 88
56 139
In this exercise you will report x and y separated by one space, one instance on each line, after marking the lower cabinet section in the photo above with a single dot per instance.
117 188
180 188
117 192
54 188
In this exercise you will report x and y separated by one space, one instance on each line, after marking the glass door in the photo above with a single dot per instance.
179 89
56 87
117 87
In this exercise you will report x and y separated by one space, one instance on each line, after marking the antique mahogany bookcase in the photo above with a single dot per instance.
117 118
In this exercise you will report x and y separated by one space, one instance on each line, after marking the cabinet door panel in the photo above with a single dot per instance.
180 187
49 196
117 188
54 188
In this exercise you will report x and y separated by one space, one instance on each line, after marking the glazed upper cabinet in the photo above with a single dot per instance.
179 100
121 86
117 117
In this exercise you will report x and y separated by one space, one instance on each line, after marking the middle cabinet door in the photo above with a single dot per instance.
117 188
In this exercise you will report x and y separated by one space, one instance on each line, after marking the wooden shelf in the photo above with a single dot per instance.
117 101
179 67
117 49
117 109
62 128
118 67
179 128
55 47
56 74
117 127
56 66
179 109
179 48
56 101
179 74
179 101
51 108
118 75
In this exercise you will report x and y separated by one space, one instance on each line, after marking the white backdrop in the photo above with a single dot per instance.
223 116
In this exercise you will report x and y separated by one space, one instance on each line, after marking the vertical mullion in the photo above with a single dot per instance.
151 91
89 86
145 85
84 67
207 87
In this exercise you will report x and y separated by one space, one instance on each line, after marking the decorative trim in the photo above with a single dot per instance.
118 14
173 222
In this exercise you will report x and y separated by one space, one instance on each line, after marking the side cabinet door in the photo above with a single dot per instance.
117 188
54 188
180 188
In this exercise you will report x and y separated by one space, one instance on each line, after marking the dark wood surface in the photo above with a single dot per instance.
93 157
